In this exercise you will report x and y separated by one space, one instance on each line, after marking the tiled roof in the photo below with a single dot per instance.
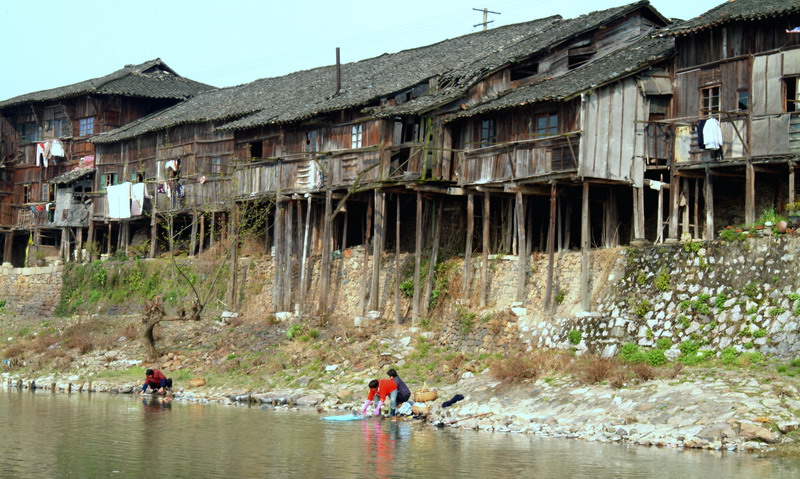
736 10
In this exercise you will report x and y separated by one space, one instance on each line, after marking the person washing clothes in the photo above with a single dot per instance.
380 390
403 393
155 380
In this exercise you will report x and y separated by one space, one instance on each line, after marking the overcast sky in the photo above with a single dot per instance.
51 43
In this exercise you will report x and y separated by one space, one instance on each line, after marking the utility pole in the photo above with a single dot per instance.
486 20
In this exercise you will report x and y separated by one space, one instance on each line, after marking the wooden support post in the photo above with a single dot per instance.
485 252
523 263
437 234
750 194
90 242
696 205
559 222
277 286
685 207
548 295
172 235
8 246
288 277
585 233
417 261
377 248
79 245
213 229
64 249
397 318
709 200
640 210
791 182
468 247
202 236
326 253
675 205
193 240
660 216
233 300
365 269
567 225
108 240
304 262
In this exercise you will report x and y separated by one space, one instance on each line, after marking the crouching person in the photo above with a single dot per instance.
380 390
155 380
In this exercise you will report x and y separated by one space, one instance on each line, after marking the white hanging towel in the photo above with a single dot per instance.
712 135
137 199
119 201
57 149
39 154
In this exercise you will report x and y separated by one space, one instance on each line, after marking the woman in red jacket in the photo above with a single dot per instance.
382 389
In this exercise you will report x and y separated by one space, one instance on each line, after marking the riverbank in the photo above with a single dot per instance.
751 407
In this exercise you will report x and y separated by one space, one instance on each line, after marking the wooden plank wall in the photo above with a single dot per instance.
617 138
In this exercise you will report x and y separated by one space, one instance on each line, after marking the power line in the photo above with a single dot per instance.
486 20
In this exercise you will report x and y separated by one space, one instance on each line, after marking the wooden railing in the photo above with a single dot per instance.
520 159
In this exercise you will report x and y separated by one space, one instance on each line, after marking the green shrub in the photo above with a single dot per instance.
692 247
656 357
631 353
760 333
728 356
574 336
748 345
643 308
684 321
756 358
294 331
662 280
720 300
795 363
664 343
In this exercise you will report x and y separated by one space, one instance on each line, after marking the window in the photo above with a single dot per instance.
86 126
744 100
709 98
313 140
546 124
30 132
580 55
216 166
26 193
488 132
48 193
791 90
59 128
357 136
107 180
524 70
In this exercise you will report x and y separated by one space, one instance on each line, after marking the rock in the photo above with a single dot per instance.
788 426
519 311
373 315
753 431
284 316
310 400
344 394
303 382
331 367
360 322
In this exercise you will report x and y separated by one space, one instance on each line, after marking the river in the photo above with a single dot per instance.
100 435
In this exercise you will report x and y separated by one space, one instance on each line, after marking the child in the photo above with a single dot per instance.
382 388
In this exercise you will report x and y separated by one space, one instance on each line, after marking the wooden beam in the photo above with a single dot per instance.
397 317
750 194
686 208
277 286
675 205
233 300
485 250
326 253
523 263
437 234
709 201
548 295
288 277
417 261
696 204
202 237
585 245
377 248
791 182
193 241
304 261
365 269
468 247
660 217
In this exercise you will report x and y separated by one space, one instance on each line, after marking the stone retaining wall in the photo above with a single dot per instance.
32 291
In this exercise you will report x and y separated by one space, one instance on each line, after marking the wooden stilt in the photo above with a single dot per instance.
326 253
108 240
485 252
709 200
79 245
675 205
523 263
377 248
567 225
202 236
468 247
791 182
660 216
548 295
696 205
91 245
750 194
304 262
65 244
193 241
8 247
397 317
233 300
213 229
437 234
686 207
417 261
288 277
585 232
172 235
365 269
560 223
640 211
153 227
277 286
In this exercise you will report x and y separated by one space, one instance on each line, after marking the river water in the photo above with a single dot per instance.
100 435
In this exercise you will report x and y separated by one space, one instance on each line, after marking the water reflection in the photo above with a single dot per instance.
79 435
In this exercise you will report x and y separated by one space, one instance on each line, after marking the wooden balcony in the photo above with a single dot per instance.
520 160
